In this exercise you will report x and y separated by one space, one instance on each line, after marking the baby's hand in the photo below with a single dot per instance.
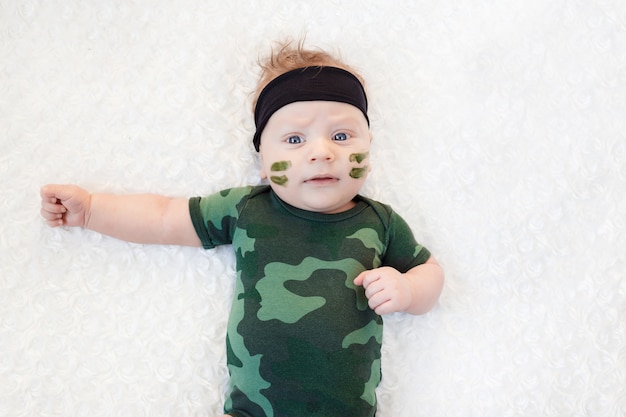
64 205
387 290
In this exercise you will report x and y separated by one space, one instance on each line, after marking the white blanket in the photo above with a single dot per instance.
499 134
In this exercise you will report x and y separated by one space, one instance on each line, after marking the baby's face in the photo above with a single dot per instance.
316 154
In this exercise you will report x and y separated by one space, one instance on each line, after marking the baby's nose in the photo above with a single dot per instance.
321 150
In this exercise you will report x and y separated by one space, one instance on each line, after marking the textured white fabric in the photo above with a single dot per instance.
499 134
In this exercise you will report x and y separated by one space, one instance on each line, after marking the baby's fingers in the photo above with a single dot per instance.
52 213
52 206
52 220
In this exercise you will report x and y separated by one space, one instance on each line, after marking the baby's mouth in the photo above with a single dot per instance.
321 180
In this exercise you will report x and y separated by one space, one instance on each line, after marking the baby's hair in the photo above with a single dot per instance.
286 57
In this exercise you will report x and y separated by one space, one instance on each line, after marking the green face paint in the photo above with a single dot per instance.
280 166
359 157
277 167
282 180
358 172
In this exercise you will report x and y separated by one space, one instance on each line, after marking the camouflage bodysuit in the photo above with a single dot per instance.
301 338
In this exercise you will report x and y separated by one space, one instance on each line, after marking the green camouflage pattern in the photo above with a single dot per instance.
301 338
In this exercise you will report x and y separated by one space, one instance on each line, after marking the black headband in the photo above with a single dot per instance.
307 84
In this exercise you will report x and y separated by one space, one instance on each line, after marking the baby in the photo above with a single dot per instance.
317 263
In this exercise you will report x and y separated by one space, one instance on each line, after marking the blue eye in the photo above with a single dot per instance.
341 136
294 140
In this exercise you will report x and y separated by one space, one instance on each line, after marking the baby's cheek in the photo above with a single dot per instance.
279 167
358 172
359 157
279 180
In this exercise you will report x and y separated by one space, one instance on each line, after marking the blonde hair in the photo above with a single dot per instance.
287 56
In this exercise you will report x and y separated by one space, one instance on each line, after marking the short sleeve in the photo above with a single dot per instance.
403 251
214 217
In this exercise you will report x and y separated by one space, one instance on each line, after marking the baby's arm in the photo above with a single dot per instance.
415 291
142 218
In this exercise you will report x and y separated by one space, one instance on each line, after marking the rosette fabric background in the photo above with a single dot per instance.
499 134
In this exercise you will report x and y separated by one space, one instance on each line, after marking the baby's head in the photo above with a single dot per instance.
312 129
288 57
